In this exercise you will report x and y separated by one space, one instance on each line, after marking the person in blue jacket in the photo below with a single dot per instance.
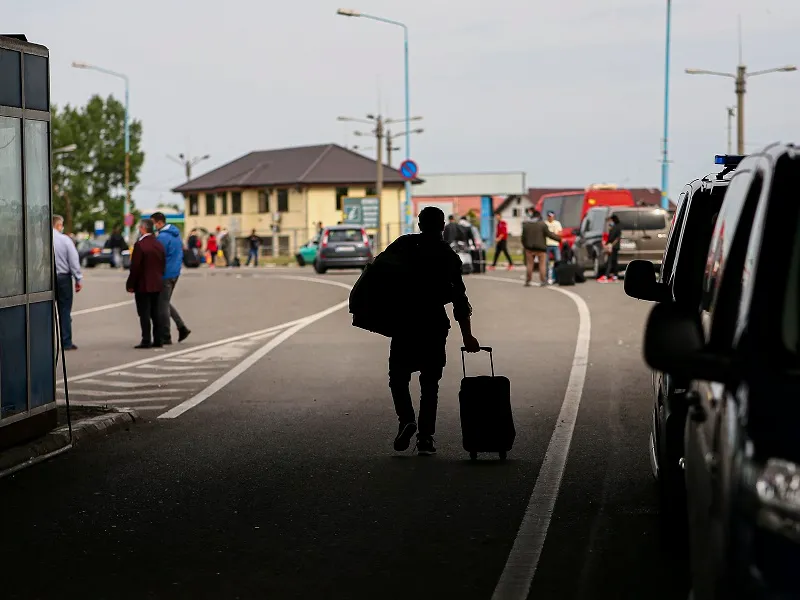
170 238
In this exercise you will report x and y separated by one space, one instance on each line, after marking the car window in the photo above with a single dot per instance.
553 204
674 235
651 221
345 235
598 219
627 219
571 210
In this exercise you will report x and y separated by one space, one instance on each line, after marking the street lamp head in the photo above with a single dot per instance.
181 156
342 119
789 68
371 117
80 65
418 131
348 12
206 157
693 71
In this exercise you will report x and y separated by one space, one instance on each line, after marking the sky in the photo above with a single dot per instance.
571 93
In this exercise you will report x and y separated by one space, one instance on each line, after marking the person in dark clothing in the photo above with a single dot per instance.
145 281
612 250
116 243
453 232
193 243
535 234
254 243
422 346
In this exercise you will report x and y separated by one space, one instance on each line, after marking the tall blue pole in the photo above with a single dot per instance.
665 159
407 205
127 207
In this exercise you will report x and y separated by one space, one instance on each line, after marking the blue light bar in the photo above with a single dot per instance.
728 160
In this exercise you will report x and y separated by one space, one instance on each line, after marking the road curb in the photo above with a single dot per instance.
57 441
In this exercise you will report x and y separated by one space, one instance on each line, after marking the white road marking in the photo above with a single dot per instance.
163 357
128 402
115 393
515 581
172 368
95 309
139 385
258 354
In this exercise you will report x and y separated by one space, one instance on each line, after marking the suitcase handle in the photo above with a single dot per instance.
485 349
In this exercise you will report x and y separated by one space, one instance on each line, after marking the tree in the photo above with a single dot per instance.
89 183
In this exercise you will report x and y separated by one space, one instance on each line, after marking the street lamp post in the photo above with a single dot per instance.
346 12
740 77
188 163
665 149
127 206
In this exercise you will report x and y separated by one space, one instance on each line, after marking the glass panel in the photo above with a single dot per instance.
627 219
12 280
42 354
10 78
345 235
652 221
36 82
552 204
37 203
571 211
13 361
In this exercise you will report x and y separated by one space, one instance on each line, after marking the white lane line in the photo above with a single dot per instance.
128 402
95 309
174 368
116 393
515 581
143 385
258 354
162 357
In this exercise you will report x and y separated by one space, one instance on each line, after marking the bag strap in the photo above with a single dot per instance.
485 349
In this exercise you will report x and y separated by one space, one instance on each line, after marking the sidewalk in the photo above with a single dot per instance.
87 422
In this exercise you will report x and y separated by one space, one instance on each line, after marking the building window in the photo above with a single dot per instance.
263 202
236 203
371 191
515 212
283 201
194 205
37 196
36 96
11 76
341 194
211 204
223 205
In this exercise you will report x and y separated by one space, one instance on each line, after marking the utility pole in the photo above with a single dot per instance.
665 140
731 112
188 163
390 147
379 138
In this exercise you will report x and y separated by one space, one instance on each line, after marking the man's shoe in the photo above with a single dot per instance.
71 347
183 334
404 435
510 267
166 342
143 345
157 345
602 279
527 284
425 446
491 268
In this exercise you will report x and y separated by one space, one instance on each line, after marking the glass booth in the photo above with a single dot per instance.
27 318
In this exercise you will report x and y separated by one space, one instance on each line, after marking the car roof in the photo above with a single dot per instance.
342 227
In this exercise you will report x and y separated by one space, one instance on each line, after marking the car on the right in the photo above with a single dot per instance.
738 353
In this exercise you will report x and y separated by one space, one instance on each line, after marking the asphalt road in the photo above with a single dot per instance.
283 483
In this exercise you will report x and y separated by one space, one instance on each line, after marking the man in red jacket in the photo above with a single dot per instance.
145 281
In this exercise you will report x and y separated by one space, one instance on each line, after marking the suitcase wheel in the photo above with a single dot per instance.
473 456
502 456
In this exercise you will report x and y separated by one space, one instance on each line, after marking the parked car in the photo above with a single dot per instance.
92 253
680 281
307 254
644 236
343 247
741 355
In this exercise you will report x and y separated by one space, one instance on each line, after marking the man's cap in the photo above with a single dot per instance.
551 213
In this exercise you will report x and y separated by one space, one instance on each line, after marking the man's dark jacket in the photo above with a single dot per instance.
147 266
535 234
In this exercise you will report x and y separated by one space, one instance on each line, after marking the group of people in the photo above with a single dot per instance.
541 241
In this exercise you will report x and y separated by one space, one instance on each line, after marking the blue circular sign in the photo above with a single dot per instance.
409 169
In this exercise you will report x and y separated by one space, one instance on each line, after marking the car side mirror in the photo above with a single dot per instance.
674 343
641 282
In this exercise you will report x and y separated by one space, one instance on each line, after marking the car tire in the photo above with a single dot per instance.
319 268
301 262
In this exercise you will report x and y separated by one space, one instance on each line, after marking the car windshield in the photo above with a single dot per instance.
571 211
345 235
642 220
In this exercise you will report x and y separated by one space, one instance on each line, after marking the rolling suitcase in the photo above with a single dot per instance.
566 273
487 424
189 259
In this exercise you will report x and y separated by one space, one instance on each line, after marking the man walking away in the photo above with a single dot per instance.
255 243
424 325
170 238
535 234
193 243
612 250
553 247
116 243
501 242
145 281
68 267
452 232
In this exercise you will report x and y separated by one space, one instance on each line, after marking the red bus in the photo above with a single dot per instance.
571 207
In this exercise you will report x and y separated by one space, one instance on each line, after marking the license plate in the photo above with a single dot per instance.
627 245
106 250
345 249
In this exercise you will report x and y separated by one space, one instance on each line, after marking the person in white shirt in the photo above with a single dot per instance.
553 247
68 268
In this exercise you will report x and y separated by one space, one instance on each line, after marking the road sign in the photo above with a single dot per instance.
128 220
99 227
365 212
409 169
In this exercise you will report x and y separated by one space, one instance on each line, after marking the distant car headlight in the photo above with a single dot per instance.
778 491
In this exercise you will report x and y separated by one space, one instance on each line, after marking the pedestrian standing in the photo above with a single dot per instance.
192 243
146 281
553 247
116 243
501 242
254 243
421 343
535 234
170 238
612 250
68 268
211 250
225 244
